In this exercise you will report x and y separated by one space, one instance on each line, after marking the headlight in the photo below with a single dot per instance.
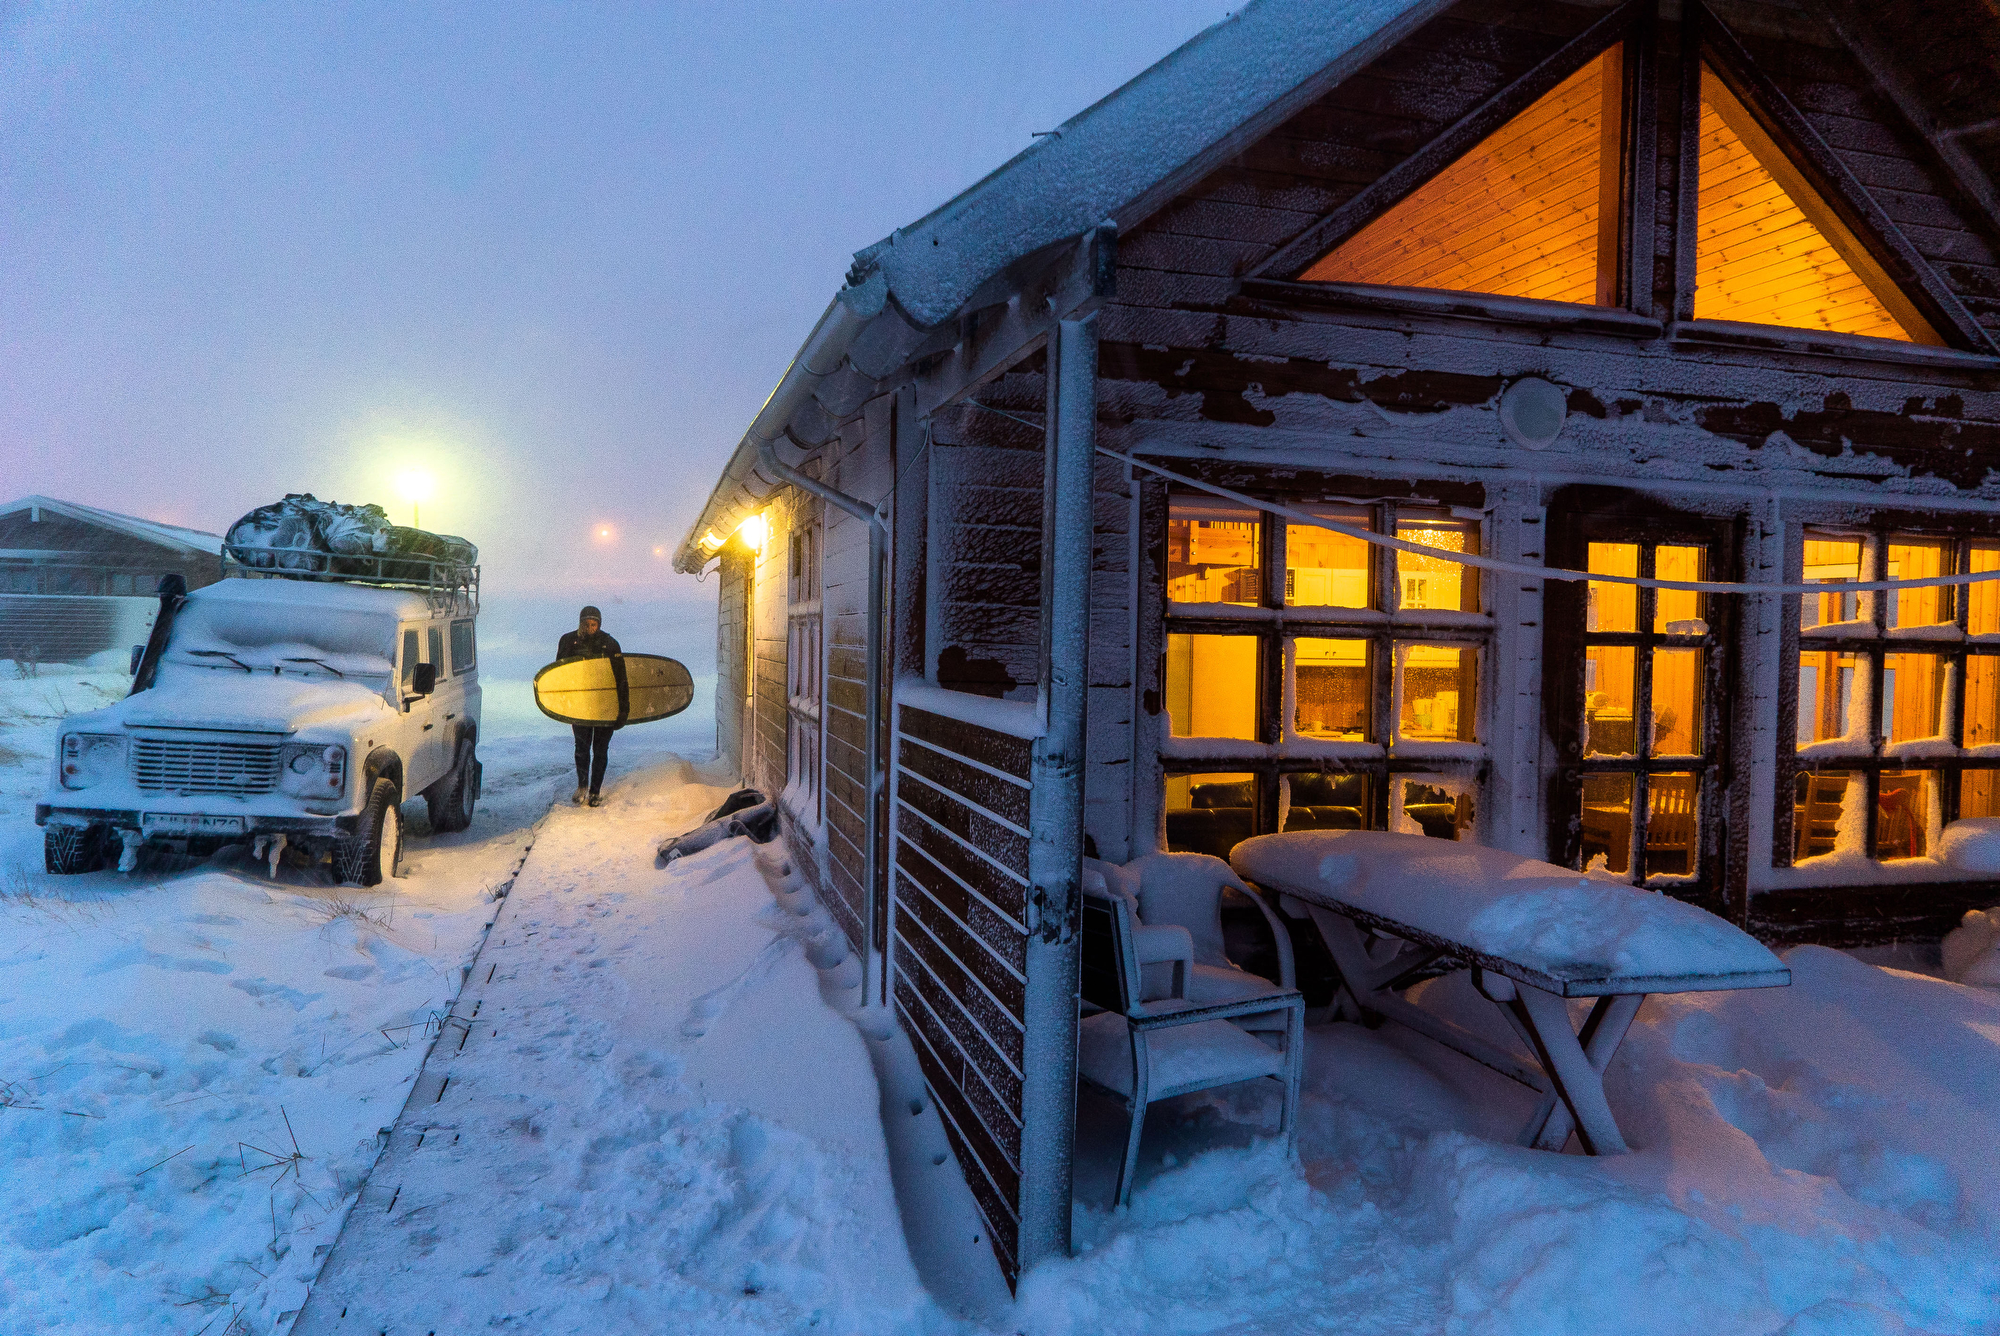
90 758
313 770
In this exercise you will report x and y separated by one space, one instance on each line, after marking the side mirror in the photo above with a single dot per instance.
424 679
138 653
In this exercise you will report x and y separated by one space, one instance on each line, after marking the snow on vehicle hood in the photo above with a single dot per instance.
207 698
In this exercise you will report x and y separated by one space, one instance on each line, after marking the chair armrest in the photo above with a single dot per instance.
1157 943
1287 966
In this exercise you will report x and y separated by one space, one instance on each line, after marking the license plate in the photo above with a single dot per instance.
189 823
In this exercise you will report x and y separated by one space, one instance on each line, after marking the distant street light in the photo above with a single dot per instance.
416 485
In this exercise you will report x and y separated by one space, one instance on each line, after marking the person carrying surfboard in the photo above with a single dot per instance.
593 744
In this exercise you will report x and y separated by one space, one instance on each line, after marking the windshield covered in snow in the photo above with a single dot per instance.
289 641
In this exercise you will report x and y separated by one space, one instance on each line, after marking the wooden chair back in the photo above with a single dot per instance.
1670 822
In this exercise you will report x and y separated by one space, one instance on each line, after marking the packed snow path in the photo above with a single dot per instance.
645 1119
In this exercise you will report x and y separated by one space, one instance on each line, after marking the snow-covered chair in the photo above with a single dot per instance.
1185 891
1138 1050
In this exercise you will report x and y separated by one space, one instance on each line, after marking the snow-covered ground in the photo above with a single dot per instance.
197 1063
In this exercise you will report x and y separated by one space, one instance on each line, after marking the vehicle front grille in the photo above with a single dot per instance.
171 766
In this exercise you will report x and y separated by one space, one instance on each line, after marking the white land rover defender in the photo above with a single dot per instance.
290 710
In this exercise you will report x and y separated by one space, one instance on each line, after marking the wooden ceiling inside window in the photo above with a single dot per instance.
1770 251
1518 216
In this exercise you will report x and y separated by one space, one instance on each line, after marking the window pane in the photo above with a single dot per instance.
1437 692
1979 793
1983 609
1982 700
1908 803
1607 701
1327 802
1212 553
1212 686
1912 696
1324 569
1826 695
1440 813
1680 612
1607 823
1210 814
1671 803
1330 689
1677 702
1613 607
1910 560
1435 582
1832 559
1823 817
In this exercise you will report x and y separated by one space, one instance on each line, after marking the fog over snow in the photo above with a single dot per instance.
556 255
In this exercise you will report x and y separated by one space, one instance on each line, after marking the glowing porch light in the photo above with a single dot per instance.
753 531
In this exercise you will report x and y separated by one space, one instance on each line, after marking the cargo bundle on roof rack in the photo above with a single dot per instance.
304 538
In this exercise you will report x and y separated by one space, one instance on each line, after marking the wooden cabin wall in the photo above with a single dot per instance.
984 585
1284 386
732 656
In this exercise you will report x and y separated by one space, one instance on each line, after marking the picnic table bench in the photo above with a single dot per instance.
1394 908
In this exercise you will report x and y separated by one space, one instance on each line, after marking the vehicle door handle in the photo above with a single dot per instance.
429 727
448 718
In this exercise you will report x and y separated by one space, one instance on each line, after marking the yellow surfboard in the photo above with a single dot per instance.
623 689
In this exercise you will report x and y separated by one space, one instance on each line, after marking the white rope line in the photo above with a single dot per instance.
1550 572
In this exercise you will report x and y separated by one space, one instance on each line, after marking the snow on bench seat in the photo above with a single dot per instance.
1535 922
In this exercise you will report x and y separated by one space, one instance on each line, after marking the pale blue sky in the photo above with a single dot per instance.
557 254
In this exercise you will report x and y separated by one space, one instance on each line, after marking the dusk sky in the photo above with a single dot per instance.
555 255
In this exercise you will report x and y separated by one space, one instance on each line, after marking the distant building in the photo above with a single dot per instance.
76 581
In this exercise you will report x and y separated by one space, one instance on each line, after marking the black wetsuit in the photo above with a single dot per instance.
593 745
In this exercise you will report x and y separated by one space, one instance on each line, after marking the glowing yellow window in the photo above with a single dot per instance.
1770 251
1912 696
1437 689
1531 212
1827 684
1427 583
1212 686
1983 599
1212 553
1325 568
1330 689
1680 612
1911 559
1982 700
1832 561
1609 728
1613 607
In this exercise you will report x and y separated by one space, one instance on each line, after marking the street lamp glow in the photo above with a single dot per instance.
416 486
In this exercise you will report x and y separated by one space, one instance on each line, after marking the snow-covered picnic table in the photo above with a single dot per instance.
1393 908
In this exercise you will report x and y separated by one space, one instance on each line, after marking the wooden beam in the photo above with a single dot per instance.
1456 141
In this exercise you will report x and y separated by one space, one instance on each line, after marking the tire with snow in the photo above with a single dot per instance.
71 849
451 799
376 847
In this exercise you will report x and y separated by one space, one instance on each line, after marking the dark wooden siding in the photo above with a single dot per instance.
961 887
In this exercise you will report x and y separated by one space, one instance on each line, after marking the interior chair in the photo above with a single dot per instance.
1186 891
1670 824
1817 814
1138 1050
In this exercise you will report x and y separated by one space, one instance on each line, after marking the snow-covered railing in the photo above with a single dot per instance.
959 867
448 586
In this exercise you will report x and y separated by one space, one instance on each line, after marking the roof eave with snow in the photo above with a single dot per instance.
1119 160
171 536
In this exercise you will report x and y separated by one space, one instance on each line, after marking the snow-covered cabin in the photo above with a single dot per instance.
1702 293
76 580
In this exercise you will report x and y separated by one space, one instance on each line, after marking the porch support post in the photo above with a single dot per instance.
1055 848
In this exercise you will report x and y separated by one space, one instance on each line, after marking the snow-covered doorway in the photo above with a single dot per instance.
1637 682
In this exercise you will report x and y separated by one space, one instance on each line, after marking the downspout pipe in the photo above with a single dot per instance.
874 986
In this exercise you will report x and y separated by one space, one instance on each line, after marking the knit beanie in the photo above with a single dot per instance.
589 613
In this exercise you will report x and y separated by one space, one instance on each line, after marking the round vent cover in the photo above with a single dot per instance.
1532 412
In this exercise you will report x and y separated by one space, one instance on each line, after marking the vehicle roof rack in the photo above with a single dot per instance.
447 586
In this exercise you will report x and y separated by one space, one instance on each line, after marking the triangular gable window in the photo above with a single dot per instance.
1770 251
1530 212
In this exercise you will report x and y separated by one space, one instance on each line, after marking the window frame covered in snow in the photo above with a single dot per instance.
1299 775
1959 635
805 664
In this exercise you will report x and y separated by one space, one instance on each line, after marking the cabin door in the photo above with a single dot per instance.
1637 694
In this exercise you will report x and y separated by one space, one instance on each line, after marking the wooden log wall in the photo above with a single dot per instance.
732 656
961 886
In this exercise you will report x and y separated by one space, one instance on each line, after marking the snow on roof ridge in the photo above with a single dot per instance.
1112 153
172 535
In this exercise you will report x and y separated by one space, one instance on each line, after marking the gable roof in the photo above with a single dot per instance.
1113 161
152 531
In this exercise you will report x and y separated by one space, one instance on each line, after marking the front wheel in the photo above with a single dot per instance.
451 799
375 849
67 850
